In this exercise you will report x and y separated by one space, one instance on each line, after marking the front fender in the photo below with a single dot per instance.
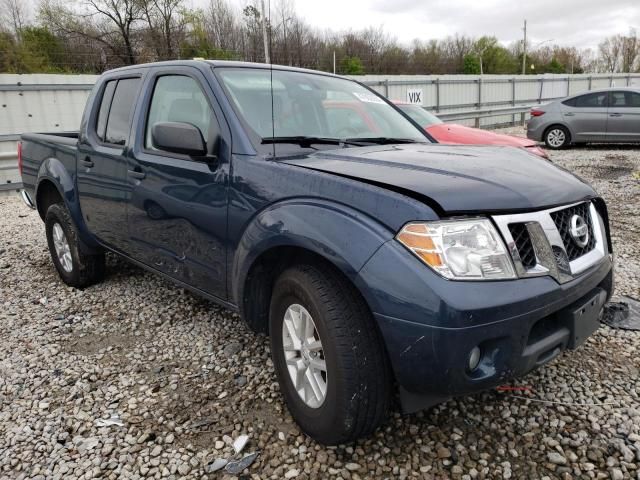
344 236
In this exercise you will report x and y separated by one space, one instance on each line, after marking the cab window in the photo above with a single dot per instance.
178 98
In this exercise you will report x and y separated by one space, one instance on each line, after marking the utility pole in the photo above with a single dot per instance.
524 50
264 34
334 62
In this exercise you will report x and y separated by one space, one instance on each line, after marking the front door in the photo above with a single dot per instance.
178 210
586 116
101 164
624 116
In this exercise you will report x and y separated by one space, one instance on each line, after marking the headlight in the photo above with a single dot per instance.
459 249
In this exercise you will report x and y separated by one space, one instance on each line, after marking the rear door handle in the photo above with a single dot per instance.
615 114
137 173
86 162
569 114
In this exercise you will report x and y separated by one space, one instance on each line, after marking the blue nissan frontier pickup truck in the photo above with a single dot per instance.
381 264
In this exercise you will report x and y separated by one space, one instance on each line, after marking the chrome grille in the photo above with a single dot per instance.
523 243
562 219
541 244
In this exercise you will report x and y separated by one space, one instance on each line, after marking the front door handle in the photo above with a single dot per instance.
615 114
137 173
86 162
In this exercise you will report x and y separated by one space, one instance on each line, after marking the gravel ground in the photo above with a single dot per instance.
187 377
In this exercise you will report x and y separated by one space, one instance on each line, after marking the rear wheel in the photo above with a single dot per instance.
328 356
75 268
557 137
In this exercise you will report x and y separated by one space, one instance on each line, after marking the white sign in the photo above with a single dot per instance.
414 96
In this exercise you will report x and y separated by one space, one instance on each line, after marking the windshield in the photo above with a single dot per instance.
310 105
420 115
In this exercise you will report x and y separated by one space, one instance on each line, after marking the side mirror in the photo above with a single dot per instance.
177 137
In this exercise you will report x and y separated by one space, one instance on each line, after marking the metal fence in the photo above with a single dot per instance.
489 100
36 103
32 103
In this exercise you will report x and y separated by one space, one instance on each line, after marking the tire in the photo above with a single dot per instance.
557 137
357 375
75 268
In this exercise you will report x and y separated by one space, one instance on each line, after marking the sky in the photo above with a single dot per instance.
579 23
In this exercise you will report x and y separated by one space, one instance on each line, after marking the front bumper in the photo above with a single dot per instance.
429 324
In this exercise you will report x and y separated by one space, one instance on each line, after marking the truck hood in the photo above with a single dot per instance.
458 179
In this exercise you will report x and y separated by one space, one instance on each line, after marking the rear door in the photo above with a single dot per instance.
586 116
101 162
178 210
624 116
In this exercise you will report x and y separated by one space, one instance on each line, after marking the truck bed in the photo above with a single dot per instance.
37 148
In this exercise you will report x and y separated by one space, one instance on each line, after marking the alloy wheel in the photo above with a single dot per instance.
61 245
304 356
556 137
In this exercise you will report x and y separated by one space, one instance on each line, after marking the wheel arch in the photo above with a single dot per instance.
55 184
299 232
47 193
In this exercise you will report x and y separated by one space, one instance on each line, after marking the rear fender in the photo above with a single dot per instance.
54 171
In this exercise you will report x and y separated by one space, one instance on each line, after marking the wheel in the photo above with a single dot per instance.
557 137
76 269
328 355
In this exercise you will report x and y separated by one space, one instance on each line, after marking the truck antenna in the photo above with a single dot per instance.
266 36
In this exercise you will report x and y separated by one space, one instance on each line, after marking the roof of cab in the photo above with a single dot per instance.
219 64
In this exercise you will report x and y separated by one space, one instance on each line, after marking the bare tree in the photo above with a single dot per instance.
165 24
609 50
14 13
123 14
629 51
223 26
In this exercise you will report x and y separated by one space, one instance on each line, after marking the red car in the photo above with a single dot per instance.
455 134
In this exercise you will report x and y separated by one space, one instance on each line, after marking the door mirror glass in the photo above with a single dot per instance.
178 137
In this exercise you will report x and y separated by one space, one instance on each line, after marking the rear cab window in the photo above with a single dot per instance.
115 111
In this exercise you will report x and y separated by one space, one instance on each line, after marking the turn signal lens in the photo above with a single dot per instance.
416 238
459 249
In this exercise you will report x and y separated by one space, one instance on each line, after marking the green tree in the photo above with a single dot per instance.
41 51
351 66
8 53
555 67
471 64
494 57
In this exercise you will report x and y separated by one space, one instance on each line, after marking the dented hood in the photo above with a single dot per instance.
461 178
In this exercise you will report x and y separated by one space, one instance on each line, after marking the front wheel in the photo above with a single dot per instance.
75 268
328 355
557 137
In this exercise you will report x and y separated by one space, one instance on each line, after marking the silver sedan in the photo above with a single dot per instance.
610 115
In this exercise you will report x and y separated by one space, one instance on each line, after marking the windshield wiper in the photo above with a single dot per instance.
307 141
380 140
